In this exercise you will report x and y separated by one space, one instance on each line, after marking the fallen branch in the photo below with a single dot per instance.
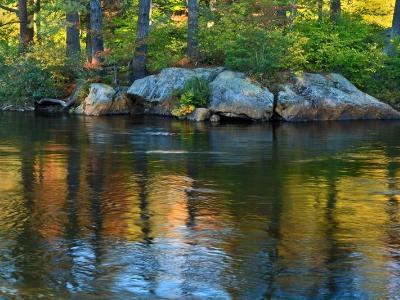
49 102
4 108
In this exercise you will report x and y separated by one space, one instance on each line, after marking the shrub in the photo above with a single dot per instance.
42 72
195 94
385 83
167 44
259 52
26 82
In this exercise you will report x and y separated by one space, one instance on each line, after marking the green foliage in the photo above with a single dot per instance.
167 43
29 77
195 93
385 83
260 52
119 33
170 6
43 72
248 44
27 80
351 47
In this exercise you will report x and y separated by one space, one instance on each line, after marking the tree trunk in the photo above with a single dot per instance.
193 28
85 21
31 19
320 4
336 9
293 12
25 28
96 31
143 27
73 41
38 8
396 20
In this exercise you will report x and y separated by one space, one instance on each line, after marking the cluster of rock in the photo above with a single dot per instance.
307 97
232 94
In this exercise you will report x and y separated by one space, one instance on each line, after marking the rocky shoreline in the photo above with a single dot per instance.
307 97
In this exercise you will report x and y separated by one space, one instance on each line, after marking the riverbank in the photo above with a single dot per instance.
212 94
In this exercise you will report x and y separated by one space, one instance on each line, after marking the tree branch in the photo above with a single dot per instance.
9 23
10 9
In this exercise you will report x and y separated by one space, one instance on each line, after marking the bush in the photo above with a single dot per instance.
352 47
42 72
26 81
259 52
195 94
167 44
249 44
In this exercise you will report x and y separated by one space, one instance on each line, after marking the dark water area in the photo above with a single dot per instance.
127 208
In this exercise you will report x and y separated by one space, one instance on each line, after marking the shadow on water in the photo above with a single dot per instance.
147 208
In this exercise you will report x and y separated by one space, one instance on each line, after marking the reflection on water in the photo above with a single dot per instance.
152 208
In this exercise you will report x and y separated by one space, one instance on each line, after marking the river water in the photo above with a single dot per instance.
137 208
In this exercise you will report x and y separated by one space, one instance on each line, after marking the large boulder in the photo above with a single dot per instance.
160 88
105 100
328 97
236 96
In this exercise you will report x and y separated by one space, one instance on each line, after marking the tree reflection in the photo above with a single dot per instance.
171 209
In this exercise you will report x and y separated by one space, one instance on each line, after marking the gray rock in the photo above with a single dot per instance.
80 92
159 88
104 100
199 115
329 97
215 118
234 95
121 103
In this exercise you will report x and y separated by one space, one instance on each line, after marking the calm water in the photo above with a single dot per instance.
124 208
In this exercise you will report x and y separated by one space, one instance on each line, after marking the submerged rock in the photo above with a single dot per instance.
199 115
312 97
215 118
236 96
105 100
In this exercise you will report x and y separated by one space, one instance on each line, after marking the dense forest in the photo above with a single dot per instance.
47 46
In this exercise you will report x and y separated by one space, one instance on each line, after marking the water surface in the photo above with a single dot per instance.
132 208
